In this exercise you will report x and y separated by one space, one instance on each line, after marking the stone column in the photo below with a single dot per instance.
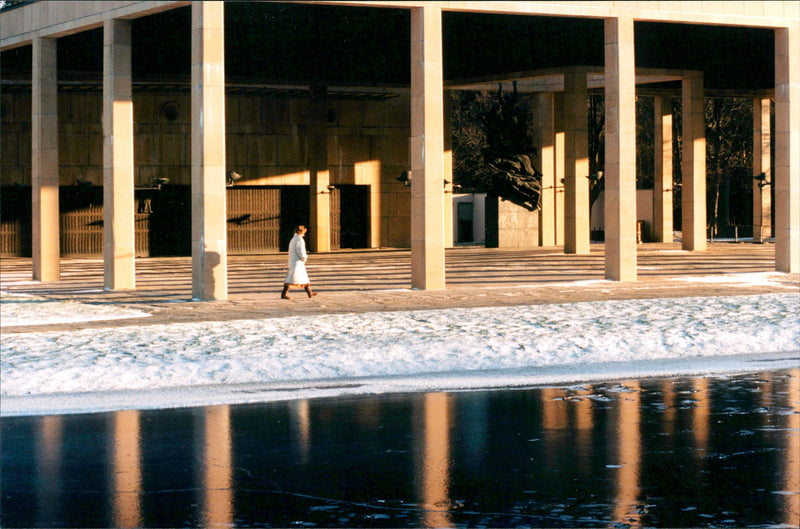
209 248
319 176
427 149
44 161
560 137
576 164
762 195
787 150
620 145
662 186
693 167
447 171
119 241
545 145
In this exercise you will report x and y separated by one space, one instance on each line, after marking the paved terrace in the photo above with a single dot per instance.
379 280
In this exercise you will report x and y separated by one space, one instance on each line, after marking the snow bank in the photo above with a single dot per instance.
422 343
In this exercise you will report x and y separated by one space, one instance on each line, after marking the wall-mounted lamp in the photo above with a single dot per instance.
595 177
328 192
232 178
159 181
762 180
155 183
405 178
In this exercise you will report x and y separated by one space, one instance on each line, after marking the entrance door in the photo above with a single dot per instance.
350 217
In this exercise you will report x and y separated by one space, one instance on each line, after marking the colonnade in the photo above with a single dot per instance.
428 160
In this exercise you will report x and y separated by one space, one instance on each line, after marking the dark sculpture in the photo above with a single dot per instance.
510 155
517 180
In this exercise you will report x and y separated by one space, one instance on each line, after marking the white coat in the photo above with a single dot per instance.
297 262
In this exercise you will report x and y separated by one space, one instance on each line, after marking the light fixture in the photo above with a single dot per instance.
232 178
762 180
159 181
405 178
595 176
328 192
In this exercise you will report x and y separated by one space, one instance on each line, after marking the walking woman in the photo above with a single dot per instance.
297 276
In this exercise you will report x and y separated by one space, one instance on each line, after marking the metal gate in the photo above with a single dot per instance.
254 219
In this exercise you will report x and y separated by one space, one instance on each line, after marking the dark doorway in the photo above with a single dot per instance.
465 231
294 210
171 221
350 217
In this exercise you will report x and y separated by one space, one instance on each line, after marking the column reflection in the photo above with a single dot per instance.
49 445
302 412
791 474
127 466
217 465
436 461
700 416
554 421
629 454
584 423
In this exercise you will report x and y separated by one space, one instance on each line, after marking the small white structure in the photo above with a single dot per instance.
469 218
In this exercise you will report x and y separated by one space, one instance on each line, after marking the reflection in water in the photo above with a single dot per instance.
48 467
791 472
303 420
127 470
628 455
216 457
436 461
679 453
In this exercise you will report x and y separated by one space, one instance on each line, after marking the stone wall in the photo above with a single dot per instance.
267 142
509 225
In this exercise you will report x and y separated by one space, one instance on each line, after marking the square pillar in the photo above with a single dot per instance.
319 176
560 136
693 167
209 244
46 245
787 150
576 164
545 145
620 151
119 241
663 224
427 149
762 196
447 171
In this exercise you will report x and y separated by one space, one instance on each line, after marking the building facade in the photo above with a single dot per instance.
216 130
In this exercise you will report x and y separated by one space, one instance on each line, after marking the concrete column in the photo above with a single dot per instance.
787 150
447 171
620 151
119 240
560 137
663 184
427 149
209 246
44 161
545 145
319 176
576 164
693 166
762 195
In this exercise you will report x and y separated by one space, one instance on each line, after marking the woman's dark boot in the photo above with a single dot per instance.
285 293
310 293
